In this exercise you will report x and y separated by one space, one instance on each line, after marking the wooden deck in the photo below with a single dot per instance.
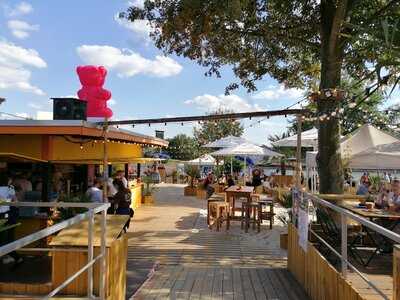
194 262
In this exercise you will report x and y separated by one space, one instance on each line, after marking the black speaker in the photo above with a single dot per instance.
69 109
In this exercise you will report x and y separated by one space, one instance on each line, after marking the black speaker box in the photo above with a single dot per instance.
69 109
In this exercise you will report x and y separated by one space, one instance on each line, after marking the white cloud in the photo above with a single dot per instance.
128 63
34 105
22 8
136 3
141 28
279 92
227 102
44 115
21 29
14 64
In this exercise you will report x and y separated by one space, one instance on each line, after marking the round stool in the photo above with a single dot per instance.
219 211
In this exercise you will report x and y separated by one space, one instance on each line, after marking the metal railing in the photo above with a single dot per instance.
93 208
346 215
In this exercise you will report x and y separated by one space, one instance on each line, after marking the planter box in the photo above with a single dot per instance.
189 191
148 200
201 194
284 241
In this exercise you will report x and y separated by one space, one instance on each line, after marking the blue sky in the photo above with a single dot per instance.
42 42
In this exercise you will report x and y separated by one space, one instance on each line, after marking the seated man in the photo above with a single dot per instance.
363 189
394 196
208 184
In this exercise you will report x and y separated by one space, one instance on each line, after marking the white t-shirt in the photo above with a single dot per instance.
7 193
95 194
125 182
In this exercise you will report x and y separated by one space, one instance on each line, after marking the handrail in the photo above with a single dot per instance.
386 232
344 213
93 208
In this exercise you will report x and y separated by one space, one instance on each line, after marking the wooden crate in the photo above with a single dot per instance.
319 279
189 191
201 193
66 263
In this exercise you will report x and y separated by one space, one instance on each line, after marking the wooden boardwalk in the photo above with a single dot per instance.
196 263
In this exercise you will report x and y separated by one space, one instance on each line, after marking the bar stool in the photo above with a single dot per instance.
250 215
219 211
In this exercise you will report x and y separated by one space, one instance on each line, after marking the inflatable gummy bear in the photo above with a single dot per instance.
92 79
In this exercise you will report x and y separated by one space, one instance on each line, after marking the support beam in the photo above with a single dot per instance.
271 113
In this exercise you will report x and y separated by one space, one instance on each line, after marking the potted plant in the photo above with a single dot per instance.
149 188
174 176
193 173
285 217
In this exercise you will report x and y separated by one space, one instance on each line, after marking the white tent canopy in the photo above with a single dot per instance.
227 142
309 138
366 148
204 160
365 137
246 149
382 157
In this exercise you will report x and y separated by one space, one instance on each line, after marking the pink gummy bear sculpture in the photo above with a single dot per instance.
92 79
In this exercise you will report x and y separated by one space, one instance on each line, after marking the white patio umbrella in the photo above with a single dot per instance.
227 142
309 138
246 149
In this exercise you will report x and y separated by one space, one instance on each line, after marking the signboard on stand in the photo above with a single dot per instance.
300 216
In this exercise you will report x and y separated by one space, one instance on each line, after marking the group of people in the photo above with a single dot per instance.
258 179
118 194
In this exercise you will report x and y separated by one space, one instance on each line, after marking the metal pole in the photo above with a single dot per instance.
298 153
232 165
103 259
90 255
344 245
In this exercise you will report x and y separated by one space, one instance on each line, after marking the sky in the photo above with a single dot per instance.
42 43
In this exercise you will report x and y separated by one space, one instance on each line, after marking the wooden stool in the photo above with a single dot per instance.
219 211
250 214
266 215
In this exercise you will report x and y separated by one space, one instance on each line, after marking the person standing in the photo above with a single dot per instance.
94 193
122 200
7 194
121 176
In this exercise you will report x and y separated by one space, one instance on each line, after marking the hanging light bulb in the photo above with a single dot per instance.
81 146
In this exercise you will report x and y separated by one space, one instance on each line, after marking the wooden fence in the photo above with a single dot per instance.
319 279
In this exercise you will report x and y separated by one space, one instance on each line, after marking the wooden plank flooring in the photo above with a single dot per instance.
194 262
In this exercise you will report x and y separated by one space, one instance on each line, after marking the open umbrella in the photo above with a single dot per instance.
226 142
246 149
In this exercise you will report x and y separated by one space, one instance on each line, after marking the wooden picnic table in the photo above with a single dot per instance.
234 192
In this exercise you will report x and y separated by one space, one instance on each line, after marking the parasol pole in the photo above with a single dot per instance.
231 165
298 153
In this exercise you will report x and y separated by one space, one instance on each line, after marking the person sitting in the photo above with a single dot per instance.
381 201
208 184
94 193
363 189
230 182
394 196
256 181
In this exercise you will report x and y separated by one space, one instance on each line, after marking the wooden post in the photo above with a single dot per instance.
298 153
105 163
396 272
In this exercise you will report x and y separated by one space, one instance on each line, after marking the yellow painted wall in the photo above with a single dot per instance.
65 150
27 145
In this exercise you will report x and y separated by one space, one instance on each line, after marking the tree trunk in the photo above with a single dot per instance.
329 159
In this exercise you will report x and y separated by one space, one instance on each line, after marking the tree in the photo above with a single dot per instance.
369 111
298 42
210 131
183 147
